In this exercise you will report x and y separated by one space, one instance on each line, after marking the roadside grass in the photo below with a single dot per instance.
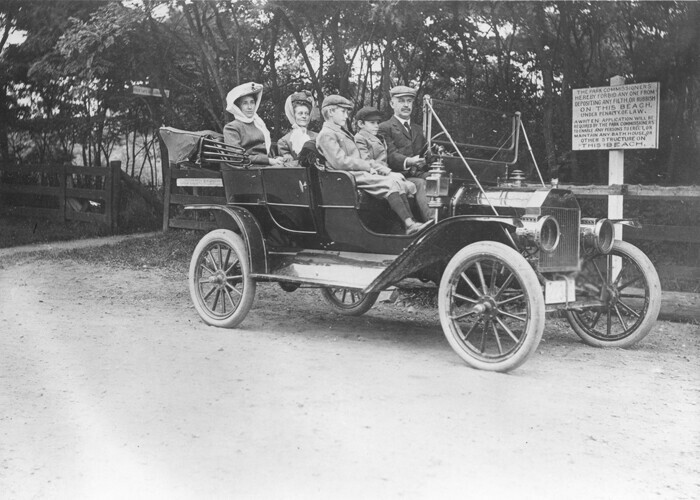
18 231
170 250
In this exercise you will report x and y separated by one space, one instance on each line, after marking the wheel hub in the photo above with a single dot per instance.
220 278
486 307
611 295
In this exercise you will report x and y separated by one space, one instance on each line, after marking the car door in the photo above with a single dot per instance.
288 198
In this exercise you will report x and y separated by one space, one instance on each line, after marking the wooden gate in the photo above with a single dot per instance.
53 192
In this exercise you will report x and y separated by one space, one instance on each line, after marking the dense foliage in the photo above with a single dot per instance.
68 84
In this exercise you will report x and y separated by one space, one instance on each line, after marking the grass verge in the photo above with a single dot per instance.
170 250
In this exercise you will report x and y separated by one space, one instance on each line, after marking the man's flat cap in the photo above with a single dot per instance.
337 100
368 113
402 90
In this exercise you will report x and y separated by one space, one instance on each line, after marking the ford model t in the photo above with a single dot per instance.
502 251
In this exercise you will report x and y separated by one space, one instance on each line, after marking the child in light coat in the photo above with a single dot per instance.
372 146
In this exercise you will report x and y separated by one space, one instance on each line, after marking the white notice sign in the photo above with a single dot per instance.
616 117
139 90
199 182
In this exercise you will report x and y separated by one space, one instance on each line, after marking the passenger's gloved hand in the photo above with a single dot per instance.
383 170
276 162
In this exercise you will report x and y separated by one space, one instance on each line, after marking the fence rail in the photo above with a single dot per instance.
648 232
65 191
636 191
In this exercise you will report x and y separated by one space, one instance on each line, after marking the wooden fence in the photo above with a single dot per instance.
649 232
65 194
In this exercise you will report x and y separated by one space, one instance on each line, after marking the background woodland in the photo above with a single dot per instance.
68 81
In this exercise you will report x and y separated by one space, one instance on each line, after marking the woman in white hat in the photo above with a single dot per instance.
248 130
298 109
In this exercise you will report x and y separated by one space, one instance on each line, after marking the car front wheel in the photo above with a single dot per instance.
491 306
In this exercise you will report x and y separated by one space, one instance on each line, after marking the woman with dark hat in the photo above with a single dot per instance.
298 108
248 130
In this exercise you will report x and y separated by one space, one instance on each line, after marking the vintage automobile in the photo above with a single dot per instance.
502 251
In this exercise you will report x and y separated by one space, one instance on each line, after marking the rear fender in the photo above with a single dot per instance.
440 242
241 221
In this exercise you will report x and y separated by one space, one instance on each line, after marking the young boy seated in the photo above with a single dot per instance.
337 145
372 146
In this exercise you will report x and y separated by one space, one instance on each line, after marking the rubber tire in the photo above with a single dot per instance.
652 311
356 309
530 285
235 243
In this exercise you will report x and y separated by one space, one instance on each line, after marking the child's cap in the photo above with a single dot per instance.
368 113
337 100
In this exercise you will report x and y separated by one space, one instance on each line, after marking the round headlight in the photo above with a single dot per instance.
605 234
597 235
549 233
541 232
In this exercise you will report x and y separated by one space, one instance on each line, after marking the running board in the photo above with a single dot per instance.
324 268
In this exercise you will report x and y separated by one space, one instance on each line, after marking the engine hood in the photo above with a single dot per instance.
515 201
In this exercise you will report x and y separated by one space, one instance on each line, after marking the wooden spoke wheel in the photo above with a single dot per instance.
219 279
491 306
348 301
627 284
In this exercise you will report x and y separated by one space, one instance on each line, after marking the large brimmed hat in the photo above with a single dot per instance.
402 90
245 89
368 113
337 100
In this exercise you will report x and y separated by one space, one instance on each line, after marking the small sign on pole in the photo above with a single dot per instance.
148 91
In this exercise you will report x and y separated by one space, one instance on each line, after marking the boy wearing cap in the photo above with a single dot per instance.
337 145
373 147
406 144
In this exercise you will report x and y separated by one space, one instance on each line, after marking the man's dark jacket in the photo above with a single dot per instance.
400 143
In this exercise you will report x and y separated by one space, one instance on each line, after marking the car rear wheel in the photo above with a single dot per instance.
349 302
220 284
631 298
491 306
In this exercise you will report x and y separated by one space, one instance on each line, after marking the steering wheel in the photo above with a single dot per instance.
446 152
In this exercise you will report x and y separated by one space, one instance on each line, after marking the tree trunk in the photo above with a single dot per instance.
545 64
296 34
277 100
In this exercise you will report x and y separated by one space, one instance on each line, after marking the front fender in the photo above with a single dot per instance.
249 228
440 242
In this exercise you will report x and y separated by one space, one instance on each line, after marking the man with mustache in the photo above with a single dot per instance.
406 145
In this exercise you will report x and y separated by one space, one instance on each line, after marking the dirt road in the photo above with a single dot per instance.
111 387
